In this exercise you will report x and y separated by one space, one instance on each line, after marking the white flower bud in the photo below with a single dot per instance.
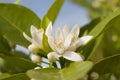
33 48
35 58
94 76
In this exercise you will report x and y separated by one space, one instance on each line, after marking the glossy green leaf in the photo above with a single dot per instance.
4 46
108 65
16 19
73 72
19 76
13 64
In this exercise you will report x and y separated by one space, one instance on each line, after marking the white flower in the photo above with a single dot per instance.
36 40
65 43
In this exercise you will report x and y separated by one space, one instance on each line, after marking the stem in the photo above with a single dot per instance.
51 65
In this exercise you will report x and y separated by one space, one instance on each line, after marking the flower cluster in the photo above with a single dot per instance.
63 44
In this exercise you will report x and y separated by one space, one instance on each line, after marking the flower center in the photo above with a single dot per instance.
59 43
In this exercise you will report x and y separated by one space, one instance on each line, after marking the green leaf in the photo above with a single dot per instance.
44 23
44 74
87 28
19 76
13 64
108 65
46 45
16 19
97 30
73 72
76 70
105 23
4 75
4 46
52 13
84 3
54 10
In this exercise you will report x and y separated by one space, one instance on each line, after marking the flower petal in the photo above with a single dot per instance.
85 39
33 48
75 30
33 29
51 43
75 45
48 31
37 36
66 31
73 56
68 41
59 34
27 37
52 56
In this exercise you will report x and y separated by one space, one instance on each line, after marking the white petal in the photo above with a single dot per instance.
48 31
66 31
27 37
85 39
75 45
33 29
52 56
51 43
73 56
33 48
59 34
68 41
37 36
75 30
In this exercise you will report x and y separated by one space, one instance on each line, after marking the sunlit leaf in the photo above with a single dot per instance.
73 72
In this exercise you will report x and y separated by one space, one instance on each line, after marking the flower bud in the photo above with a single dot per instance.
36 58
33 48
